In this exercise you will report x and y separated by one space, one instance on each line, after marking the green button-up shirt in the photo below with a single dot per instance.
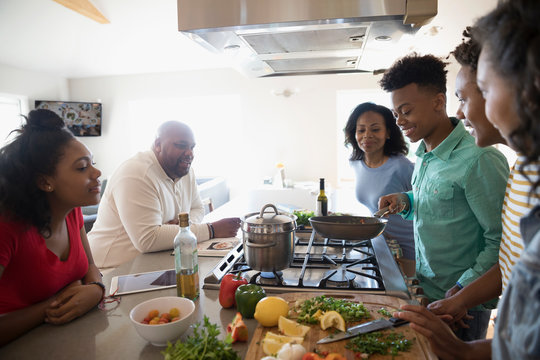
456 204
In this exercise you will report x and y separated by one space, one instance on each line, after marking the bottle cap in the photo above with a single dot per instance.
183 219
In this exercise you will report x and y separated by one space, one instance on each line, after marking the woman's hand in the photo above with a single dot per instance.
396 203
443 341
72 302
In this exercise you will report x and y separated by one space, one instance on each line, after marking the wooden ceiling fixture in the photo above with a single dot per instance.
86 8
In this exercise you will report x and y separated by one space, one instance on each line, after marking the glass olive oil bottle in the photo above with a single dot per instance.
322 200
185 260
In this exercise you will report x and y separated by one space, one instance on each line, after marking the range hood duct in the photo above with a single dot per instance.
294 37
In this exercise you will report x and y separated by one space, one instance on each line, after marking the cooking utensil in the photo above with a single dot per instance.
268 239
363 329
381 212
348 227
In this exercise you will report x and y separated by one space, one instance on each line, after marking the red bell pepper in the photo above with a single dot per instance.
311 356
229 284
237 330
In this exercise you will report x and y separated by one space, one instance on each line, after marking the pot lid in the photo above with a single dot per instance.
272 217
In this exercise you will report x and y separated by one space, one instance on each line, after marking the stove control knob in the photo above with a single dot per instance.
416 290
422 299
410 281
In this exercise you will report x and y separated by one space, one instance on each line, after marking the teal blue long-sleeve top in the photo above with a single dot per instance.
456 204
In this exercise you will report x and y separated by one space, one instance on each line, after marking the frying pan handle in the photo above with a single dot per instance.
255 245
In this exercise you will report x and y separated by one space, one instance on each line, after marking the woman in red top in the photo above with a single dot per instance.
47 273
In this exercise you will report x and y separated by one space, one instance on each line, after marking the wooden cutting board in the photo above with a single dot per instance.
420 349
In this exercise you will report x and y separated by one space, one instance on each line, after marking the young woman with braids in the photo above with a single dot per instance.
47 273
508 76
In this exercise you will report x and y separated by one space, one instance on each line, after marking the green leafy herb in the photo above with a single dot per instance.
350 311
380 343
202 345
303 217
384 312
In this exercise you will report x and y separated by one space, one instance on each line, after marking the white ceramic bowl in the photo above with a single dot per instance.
159 334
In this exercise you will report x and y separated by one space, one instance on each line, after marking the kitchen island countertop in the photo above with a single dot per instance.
109 333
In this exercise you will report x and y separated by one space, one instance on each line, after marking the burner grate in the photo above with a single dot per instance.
339 266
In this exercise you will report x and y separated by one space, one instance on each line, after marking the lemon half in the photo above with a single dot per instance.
291 327
271 346
332 319
284 339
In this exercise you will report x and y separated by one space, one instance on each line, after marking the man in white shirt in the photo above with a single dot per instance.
139 209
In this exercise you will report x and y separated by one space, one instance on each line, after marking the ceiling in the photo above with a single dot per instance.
142 37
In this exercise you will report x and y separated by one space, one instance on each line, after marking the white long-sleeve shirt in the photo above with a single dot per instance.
138 202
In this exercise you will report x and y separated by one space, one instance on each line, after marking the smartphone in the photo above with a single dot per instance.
140 282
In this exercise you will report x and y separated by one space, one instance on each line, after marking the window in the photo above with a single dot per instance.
216 122
11 108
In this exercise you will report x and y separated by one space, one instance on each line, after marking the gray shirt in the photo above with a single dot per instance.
393 176
517 330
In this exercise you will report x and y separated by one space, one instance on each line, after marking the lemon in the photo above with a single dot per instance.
271 346
332 319
269 309
318 314
291 327
284 339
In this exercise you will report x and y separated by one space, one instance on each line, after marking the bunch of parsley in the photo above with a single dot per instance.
202 345
380 343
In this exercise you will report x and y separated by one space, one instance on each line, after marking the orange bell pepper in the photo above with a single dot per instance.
237 329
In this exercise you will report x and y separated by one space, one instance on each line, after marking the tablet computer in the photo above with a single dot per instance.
140 282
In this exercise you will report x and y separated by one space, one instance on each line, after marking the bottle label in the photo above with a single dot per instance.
322 208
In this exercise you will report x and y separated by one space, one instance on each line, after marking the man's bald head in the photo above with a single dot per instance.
173 148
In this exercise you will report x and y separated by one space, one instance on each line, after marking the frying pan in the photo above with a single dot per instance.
348 227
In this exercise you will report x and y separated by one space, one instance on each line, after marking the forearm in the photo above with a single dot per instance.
156 238
92 275
478 350
483 289
16 323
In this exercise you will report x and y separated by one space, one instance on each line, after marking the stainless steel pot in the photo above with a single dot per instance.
268 239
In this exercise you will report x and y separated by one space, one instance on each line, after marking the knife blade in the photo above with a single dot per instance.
363 328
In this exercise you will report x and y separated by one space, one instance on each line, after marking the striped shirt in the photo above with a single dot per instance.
516 205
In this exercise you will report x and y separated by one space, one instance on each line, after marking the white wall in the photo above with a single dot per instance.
299 131
34 85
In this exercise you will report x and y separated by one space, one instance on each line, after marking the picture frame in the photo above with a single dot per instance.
81 118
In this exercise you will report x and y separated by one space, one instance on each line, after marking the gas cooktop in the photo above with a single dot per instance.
325 265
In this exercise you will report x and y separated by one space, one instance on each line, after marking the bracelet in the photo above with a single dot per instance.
211 230
101 285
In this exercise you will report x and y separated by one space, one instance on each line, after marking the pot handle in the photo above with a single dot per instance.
255 245
267 206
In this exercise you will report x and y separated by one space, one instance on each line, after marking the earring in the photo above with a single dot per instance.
49 188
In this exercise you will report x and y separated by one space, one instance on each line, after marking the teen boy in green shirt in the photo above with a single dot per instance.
458 188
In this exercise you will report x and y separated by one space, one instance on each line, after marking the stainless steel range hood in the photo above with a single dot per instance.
292 37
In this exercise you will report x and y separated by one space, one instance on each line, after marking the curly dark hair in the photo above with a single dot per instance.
426 71
468 51
35 151
394 146
510 35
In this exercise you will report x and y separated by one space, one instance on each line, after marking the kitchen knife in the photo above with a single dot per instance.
363 328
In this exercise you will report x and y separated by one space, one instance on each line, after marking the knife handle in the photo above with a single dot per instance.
397 322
